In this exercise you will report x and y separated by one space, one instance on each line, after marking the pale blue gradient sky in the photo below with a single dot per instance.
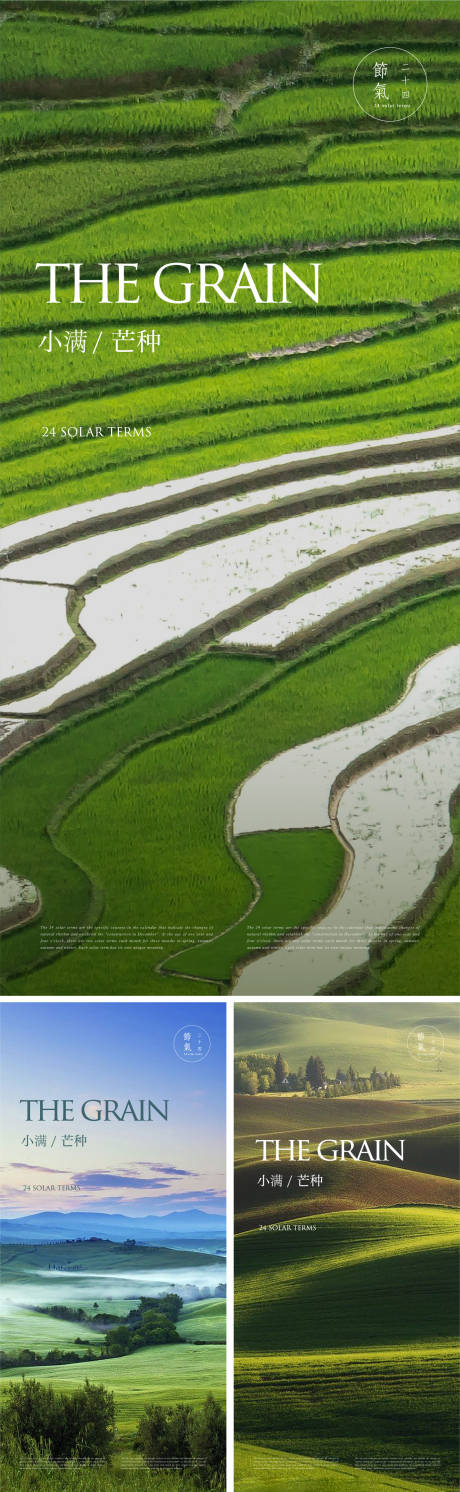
113 1050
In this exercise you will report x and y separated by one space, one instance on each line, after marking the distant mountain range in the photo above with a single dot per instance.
54 1227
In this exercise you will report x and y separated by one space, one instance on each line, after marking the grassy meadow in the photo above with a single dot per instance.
347 1292
70 1274
165 1375
356 1407
203 1321
254 1465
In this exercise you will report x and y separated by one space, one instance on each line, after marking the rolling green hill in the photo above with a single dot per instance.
350 1327
203 1321
356 1280
357 1408
342 1186
21 1261
357 1115
163 1375
256 1466
29 1330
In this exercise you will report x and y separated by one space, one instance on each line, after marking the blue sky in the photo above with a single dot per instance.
122 1051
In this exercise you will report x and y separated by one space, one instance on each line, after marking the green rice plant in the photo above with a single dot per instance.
137 859
292 108
300 15
348 369
57 124
283 426
158 709
431 962
181 345
35 51
409 275
296 871
283 217
45 194
341 64
425 155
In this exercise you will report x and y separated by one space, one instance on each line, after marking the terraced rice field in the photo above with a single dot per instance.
239 540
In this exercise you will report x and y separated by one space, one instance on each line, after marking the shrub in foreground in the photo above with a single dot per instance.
79 1425
183 1439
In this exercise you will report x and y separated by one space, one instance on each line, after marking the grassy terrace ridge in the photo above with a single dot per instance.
292 108
281 218
429 155
195 773
46 193
328 64
182 346
424 349
106 121
408 275
291 420
72 188
295 872
300 15
42 58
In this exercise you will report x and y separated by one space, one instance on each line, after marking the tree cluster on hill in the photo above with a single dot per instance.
80 1426
151 1324
26 1358
257 1073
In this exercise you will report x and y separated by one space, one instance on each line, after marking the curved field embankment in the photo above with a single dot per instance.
157 612
268 159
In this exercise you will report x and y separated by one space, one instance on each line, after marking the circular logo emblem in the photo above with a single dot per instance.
426 1044
390 85
192 1043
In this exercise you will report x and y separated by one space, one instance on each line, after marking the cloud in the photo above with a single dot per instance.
22 1165
100 1179
155 1169
157 1178
210 1194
